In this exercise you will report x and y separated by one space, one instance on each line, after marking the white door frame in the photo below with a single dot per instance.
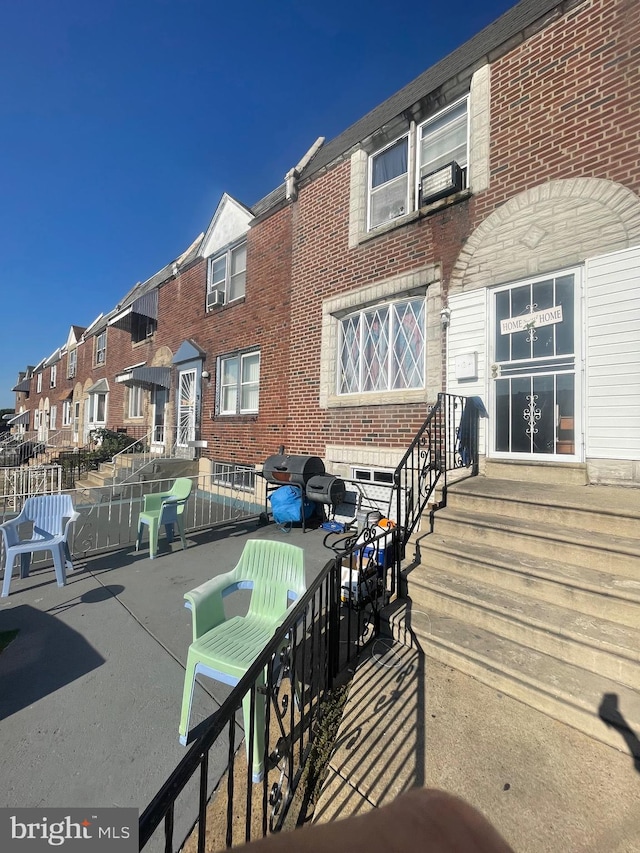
527 368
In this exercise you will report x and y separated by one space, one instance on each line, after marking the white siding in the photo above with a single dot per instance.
613 355
467 334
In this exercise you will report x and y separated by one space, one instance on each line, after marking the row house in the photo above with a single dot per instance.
478 232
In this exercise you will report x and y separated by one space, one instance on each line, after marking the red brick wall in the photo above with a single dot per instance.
566 103
260 319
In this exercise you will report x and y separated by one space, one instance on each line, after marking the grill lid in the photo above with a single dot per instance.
291 468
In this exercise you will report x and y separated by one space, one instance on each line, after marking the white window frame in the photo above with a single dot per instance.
39 383
135 402
372 190
66 413
94 405
226 284
433 119
391 306
72 363
53 416
241 477
101 347
240 384
53 376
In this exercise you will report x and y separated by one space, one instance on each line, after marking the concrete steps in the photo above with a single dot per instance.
534 589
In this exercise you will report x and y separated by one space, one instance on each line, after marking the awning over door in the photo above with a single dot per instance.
145 305
99 387
22 418
146 376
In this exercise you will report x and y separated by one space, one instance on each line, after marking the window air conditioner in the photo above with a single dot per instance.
442 182
215 298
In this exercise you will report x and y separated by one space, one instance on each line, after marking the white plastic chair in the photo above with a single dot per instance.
51 517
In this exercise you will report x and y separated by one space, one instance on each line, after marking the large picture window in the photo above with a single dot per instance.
383 348
239 383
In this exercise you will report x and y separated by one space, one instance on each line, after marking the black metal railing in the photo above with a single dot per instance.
323 632
447 440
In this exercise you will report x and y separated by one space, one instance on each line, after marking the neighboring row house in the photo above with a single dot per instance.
478 232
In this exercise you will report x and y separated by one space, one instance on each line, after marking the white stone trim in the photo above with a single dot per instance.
424 280
479 129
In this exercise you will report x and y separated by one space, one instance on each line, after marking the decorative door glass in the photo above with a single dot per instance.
534 368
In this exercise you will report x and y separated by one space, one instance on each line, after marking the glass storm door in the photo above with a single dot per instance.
534 369
186 407
160 399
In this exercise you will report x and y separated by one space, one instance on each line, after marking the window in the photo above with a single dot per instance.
36 419
39 383
53 376
383 348
101 347
72 363
388 183
66 413
97 408
227 274
53 417
237 476
135 401
142 327
442 139
239 382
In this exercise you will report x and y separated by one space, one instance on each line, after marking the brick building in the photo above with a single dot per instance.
477 232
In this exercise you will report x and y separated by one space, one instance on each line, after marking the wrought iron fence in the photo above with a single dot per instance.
448 440
321 635
108 515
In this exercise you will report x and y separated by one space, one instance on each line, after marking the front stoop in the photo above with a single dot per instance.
534 589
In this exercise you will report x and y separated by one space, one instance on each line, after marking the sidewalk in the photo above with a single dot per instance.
410 721
91 688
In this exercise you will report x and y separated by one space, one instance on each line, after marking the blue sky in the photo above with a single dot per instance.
123 121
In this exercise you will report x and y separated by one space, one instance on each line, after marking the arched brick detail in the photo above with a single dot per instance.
548 227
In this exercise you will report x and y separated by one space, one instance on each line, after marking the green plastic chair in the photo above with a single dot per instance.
224 649
164 509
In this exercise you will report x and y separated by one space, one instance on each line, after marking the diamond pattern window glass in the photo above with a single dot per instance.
383 348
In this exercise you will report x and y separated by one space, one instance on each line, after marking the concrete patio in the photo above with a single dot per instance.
92 684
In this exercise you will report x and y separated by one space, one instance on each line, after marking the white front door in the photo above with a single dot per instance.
186 407
535 368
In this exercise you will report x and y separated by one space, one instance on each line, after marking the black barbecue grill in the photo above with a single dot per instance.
306 472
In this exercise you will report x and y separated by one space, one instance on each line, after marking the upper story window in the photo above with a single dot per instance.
39 383
383 348
399 181
226 277
53 376
142 327
239 383
72 363
101 347
389 183
443 139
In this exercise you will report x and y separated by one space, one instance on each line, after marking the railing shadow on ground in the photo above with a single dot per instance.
380 749
45 656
